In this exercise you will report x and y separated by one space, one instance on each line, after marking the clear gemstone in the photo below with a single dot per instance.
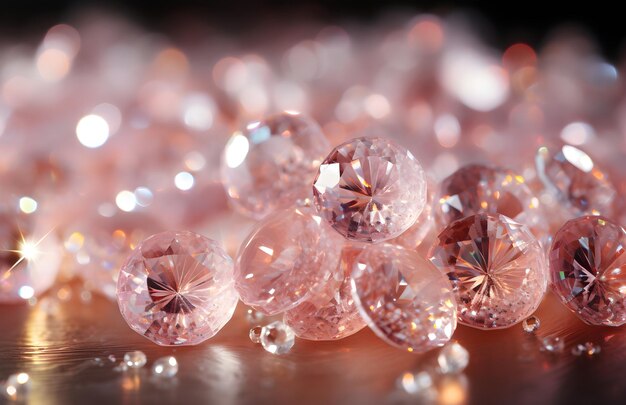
17 387
453 358
497 269
255 334
576 181
553 344
370 189
135 359
268 165
177 288
531 324
335 318
588 269
277 338
287 259
476 188
413 237
403 298
588 348
415 383
166 367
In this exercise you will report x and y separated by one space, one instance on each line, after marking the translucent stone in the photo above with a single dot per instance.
413 237
135 359
166 367
553 344
277 338
476 188
588 348
271 163
497 269
17 387
415 383
531 324
287 259
30 256
453 358
588 269
177 288
403 298
370 189
100 245
255 334
336 317
573 178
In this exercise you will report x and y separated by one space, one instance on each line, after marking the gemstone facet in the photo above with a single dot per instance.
370 189
496 267
176 288
268 165
403 298
286 260
588 269
334 318
277 338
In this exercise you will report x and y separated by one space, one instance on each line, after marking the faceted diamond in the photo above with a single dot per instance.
477 188
576 181
403 298
288 259
588 269
135 359
531 324
176 288
497 269
30 257
335 318
413 237
255 334
370 189
277 338
166 367
453 358
269 165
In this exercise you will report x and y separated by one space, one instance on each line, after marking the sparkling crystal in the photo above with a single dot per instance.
112 358
576 181
166 367
277 338
286 260
177 288
477 188
588 269
254 317
403 298
588 348
121 367
269 164
17 387
334 318
553 344
30 256
531 324
453 358
415 383
135 359
255 334
413 237
370 189
497 269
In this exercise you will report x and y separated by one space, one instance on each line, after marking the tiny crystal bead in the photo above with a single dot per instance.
255 334
277 338
453 358
415 383
553 344
531 324
166 367
135 359
588 348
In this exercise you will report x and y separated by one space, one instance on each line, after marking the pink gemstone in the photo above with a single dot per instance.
588 269
370 189
477 188
270 164
336 317
497 269
30 256
576 182
403 298
287 259
176 288
413 237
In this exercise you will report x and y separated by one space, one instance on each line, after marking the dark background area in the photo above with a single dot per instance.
503 22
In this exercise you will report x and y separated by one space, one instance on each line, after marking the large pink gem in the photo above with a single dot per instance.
333 318
477 188
403 298
588 269
176 288
271 163
286 260
576 181
370 189
497 269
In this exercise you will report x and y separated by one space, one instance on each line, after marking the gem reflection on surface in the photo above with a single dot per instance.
165 367
453 358
135 359
17 387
